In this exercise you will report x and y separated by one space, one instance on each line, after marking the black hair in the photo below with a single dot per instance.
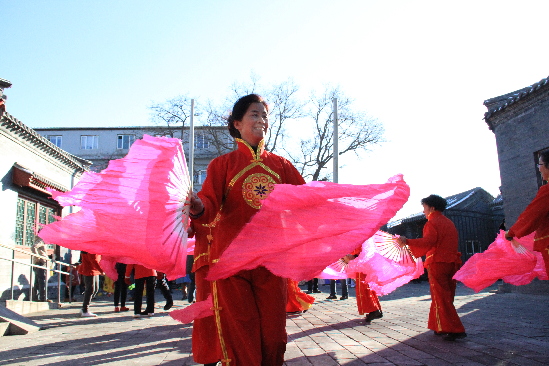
544 155
239 110
436 202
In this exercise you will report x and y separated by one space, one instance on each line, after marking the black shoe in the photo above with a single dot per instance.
308 292
317 291
440 333
344 297
374 315
331 297
168 305
453 336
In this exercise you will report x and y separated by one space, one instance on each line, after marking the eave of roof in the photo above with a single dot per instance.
498 104
5 83
15 126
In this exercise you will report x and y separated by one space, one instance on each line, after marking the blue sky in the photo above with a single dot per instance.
422 68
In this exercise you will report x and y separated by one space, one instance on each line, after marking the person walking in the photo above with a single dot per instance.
90 270
120 288
144 278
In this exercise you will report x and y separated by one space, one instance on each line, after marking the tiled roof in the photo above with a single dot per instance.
462 201
5 83
498 104
17 127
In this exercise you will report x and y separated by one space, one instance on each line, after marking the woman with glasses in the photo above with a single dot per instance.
535 218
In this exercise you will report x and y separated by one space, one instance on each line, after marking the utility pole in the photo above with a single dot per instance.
336 148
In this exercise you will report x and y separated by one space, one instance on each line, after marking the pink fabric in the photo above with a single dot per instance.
135 211
200 309
500 260
385 270
300 230
108 264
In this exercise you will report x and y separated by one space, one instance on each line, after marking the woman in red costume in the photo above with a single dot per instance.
205 342
536 215
298 301
367 301
440 246
249 307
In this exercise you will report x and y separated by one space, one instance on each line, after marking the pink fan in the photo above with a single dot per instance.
135 211
339 266
387 246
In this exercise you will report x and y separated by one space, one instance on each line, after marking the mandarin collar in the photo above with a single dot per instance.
247 149
434 214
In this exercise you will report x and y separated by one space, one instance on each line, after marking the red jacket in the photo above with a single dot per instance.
140 271
90 264
234 188
439 242
535 218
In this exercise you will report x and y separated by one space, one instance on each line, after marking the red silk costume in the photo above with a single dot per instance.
366 299
440 245
249 307
205 342
535 218
297 299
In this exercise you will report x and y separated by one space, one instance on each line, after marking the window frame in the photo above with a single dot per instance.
94 145
120 141
25 229
57 137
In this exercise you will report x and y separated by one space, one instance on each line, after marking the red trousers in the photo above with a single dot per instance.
443 316
366 299
250 312
205 344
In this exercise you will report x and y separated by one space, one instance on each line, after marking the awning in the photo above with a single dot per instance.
25 177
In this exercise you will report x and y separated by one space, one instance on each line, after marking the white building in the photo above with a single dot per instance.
29 165
102 144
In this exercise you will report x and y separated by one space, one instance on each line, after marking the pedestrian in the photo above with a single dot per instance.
120 288
333 291
145 278
162 284
39 258
312 286
440 246
535 218
250 306
90 271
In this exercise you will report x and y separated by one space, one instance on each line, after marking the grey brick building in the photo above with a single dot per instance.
520 122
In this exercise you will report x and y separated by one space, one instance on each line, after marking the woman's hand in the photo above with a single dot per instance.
401 240
197 207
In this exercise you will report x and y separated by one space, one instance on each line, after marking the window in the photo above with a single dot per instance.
199 176
472 246
29 215
201 141
125 141
55 139
89 142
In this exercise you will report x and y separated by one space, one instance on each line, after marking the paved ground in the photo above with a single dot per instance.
503 329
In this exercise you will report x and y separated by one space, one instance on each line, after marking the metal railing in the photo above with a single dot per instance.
56 267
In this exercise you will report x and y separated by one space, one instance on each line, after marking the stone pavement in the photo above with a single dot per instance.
503 329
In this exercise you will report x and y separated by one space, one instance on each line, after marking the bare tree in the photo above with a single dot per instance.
173 113
357 132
